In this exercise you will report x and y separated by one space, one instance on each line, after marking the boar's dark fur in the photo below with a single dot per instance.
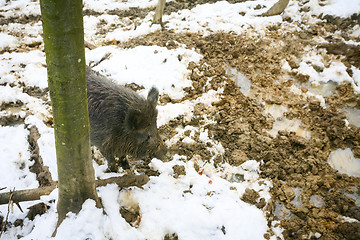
122 122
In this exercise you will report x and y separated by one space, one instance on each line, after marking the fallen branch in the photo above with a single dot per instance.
124 181
36 193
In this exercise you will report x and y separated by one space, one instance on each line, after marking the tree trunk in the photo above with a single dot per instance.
159 11
277 9
65 59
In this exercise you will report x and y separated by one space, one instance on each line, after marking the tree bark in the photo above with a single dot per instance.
65 59
277 9
35 194
159 11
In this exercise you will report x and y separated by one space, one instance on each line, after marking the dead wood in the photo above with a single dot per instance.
36 193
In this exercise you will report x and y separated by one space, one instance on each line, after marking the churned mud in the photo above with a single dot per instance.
309 197
272 119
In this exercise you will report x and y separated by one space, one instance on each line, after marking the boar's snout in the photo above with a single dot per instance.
160 151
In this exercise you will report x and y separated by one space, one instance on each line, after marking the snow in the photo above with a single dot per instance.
82 223
282 123
16 8
8 41
167 205
293 125
339 8
276 111
27 66
194 206
33 105
342 8
15 159
101 6
356 78
344 161
146 65
220 16
121 34
352 115
33 32
317 201
336 72
172 110
240 79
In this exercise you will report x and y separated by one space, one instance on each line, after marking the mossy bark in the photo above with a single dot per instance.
65 59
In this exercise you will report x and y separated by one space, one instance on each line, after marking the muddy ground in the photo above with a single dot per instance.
290 161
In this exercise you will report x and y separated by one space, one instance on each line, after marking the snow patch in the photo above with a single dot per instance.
146 66
344 161
15 158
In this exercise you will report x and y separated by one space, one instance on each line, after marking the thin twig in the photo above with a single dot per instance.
7 215
18 205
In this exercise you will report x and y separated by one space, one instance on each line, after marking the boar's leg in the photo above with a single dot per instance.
113 164
124 163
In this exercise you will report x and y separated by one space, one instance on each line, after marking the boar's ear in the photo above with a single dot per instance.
153 96
133 119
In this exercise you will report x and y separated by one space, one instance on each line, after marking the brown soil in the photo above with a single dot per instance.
43 175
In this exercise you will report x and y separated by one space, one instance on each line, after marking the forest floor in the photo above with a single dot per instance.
269 110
